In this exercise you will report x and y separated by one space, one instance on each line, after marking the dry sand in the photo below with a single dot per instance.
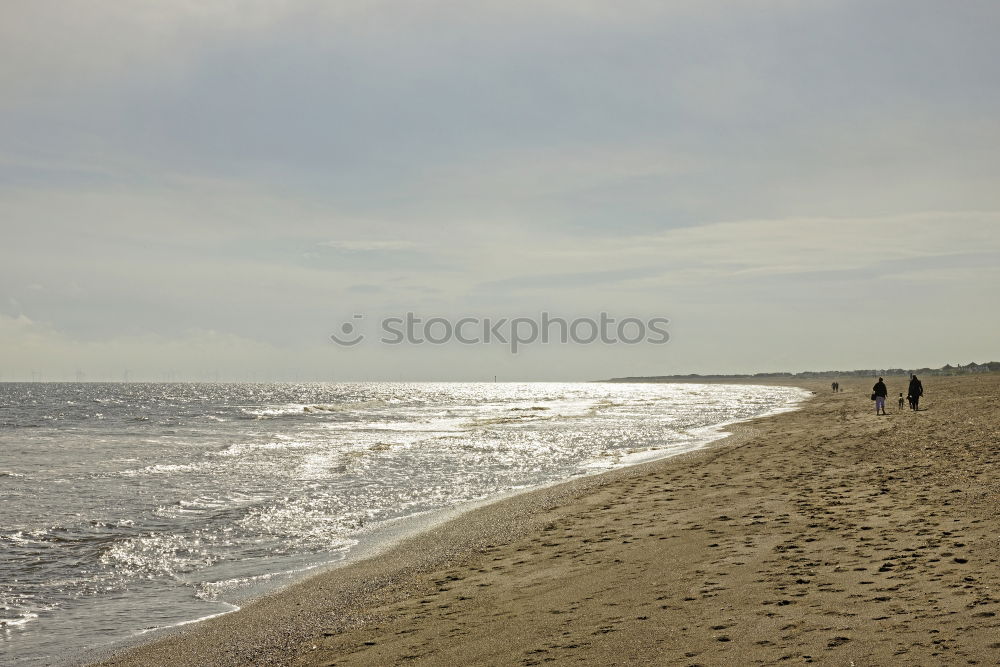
825 535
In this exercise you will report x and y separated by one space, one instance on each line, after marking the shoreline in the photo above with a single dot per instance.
399 531
387 608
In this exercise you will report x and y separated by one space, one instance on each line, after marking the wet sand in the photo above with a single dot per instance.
824 535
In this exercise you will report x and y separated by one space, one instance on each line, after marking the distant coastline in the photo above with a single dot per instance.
947 370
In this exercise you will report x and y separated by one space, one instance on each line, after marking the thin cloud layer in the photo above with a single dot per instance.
265 170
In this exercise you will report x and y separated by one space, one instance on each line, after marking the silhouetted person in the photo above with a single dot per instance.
880 391
900 400
833 387
915 392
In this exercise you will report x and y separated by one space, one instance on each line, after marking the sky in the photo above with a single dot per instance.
209 190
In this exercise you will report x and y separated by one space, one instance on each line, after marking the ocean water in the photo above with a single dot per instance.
127 508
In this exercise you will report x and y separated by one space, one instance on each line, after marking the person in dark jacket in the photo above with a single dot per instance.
915 392
880 391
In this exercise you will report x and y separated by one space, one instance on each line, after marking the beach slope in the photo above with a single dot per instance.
823 535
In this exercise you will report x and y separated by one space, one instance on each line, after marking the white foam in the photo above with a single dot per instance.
18 621
181 624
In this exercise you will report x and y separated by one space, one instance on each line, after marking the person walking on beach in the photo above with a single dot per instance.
880 391
915 392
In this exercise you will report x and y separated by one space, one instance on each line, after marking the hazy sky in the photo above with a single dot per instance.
191 189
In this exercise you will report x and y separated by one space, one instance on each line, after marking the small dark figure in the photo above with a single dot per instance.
833 386
900 400
881 392
915 392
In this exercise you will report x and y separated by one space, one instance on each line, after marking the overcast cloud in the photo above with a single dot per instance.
195 190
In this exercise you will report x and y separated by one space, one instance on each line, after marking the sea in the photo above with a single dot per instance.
130 508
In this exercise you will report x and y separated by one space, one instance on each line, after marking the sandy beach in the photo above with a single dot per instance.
824 535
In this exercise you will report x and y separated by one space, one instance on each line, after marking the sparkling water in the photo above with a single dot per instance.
126 508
